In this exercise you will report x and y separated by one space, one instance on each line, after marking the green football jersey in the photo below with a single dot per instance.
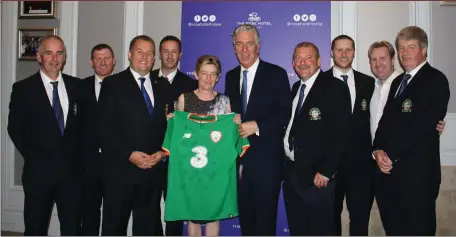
202 166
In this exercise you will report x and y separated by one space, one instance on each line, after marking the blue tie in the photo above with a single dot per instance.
345 77
150 107
57 107
296 114
244 93
404 84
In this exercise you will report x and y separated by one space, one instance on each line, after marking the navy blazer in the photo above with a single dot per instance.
35 132
269 106
181 84
357 155
406 131
125 125
321 128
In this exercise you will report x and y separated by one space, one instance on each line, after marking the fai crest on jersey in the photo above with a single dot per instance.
363 105
407 106
216 136
315 114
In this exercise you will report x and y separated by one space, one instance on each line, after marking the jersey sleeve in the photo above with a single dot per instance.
166 147
242 146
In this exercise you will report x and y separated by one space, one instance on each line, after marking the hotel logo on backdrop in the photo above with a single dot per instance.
255 19
204 21
305 20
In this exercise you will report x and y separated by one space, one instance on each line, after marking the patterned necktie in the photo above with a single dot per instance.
404 84
296 114
244 93
150 107
57 107
345 77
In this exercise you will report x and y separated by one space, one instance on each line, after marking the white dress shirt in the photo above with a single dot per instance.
251 71
309 83
170 75
250 77
97 86
378 101
147 84
63 96
350 82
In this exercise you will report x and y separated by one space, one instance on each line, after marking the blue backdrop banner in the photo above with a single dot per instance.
207 28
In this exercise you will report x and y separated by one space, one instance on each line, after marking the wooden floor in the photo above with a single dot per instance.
9 233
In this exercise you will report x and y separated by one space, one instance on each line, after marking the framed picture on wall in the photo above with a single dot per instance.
29 39
36 9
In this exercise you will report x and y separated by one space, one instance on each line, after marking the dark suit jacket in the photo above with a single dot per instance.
90 141
408 136
358 150
34 130
125 126
181 84
319 143
270 106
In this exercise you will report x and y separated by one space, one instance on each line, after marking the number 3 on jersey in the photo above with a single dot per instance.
200 159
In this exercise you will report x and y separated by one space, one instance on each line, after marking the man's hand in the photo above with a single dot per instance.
440 126
383 161
248 128
320 181
155 158
140 159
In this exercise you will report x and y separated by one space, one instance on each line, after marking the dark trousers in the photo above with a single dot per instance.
92 197
40 197
406 209
310 210
121 198
358 191
258 197
173 228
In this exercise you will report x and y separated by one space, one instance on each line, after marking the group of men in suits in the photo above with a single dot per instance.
85 142
334 129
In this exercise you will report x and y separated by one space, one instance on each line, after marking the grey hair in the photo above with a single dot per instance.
413 33
247 28
47 37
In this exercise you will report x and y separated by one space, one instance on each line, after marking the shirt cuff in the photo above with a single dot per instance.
373 156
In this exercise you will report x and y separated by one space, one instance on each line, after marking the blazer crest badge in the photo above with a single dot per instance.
407 106
315 114
363 105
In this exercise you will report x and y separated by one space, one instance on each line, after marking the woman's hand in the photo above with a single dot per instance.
237 119
170 115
